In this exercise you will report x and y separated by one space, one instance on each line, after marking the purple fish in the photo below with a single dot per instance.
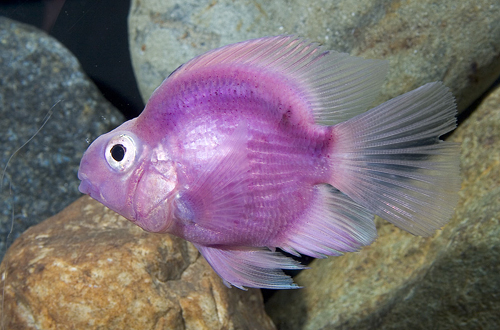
266 144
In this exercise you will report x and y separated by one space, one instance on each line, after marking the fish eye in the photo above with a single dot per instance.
121 152
118 152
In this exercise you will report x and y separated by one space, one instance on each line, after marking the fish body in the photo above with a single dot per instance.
266 144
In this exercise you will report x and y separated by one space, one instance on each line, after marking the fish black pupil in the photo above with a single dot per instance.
118 152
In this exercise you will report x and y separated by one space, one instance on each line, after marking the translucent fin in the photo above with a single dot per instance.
218 197
333 224
337 86
391 160
251 267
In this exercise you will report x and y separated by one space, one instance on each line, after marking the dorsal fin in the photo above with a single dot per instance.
337 86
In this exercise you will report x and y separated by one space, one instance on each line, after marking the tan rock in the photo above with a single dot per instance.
88 268
447 281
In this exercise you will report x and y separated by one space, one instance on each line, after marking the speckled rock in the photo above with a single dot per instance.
457 42
38 76
89 268
448 281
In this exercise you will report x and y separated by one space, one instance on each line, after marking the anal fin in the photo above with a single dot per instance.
250 267
332 225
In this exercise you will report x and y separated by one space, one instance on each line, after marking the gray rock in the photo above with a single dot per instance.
457 42
39 77
447 281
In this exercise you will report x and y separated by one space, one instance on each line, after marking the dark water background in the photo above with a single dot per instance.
95 31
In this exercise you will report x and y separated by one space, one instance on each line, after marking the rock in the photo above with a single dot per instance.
448 281
39 77
89 268
455 42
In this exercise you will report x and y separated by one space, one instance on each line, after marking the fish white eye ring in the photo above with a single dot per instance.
121 152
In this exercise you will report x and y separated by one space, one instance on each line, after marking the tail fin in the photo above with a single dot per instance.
391 161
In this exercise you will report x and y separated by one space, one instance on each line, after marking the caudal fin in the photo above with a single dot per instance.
391 161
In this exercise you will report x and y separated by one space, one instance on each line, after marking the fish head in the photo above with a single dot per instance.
109 168
117 170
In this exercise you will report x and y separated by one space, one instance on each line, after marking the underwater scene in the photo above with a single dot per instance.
238 164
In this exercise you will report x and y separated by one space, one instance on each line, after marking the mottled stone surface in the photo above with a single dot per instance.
457 42
38 76
448 281
89 268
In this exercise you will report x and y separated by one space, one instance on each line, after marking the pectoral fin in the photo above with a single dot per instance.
218 197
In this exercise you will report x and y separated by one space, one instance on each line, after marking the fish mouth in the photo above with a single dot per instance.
87 188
